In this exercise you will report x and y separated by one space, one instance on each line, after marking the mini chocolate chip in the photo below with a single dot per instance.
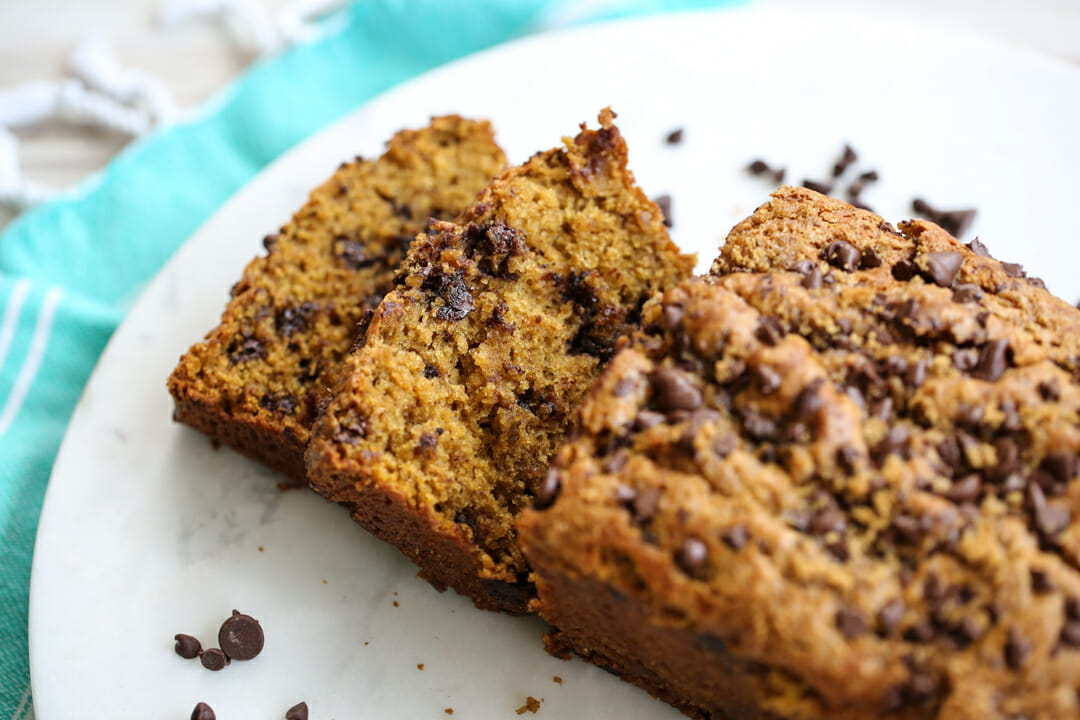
203 711
430 371
1040 582
674 390
664 203
812 279
869 259
850 622
1017 648
351 433
916 374
1072 607
904 270
889 617
249 348
768 380
299 711
992 360
965 359
674 137
769 331
213 659
758 426
1070 634
828 519
693 556
1060 464
809 401
908 528
847 157
847 458
1015 270
646 504
966 292
241 636
895 442
942 267
736 536
841 255
1048 391
817 186
646 419
187 647
548 491
966 489
758 167
976 246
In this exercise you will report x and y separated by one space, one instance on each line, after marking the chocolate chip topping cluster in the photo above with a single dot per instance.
844 464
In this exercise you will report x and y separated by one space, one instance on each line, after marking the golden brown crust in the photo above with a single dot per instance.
850 475
471 367
256 381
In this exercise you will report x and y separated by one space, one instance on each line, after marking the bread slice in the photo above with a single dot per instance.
256 381
444 421
836 481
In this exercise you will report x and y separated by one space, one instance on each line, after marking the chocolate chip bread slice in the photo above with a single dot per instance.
256 381
445 420
841 487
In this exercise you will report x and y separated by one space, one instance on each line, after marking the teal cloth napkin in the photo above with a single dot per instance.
70 269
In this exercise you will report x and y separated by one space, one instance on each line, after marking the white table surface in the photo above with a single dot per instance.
36 36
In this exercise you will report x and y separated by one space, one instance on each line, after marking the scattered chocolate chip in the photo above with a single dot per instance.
841 255
674 137
213 659
430 371
203 711
664 203
758 426
992 360
1060 464
847 458
908 528
299 711
869 176
889 617
954 222
769 331
735 537
1049 391
847 157
241 636
759 167
548 491
351 432
187 647
428 441
809 401
828 519
850 622
820 187
674 390
693 556
966 292
1017 648
895 442
976 246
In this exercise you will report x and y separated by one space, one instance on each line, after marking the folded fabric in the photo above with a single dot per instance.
70 269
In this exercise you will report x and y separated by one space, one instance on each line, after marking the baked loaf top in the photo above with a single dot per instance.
853 471
293 314
472 366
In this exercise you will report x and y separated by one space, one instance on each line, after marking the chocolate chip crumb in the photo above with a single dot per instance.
954 222
203 711
674 137
817 186
299 711
241 636
213 659
759 168
187 647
